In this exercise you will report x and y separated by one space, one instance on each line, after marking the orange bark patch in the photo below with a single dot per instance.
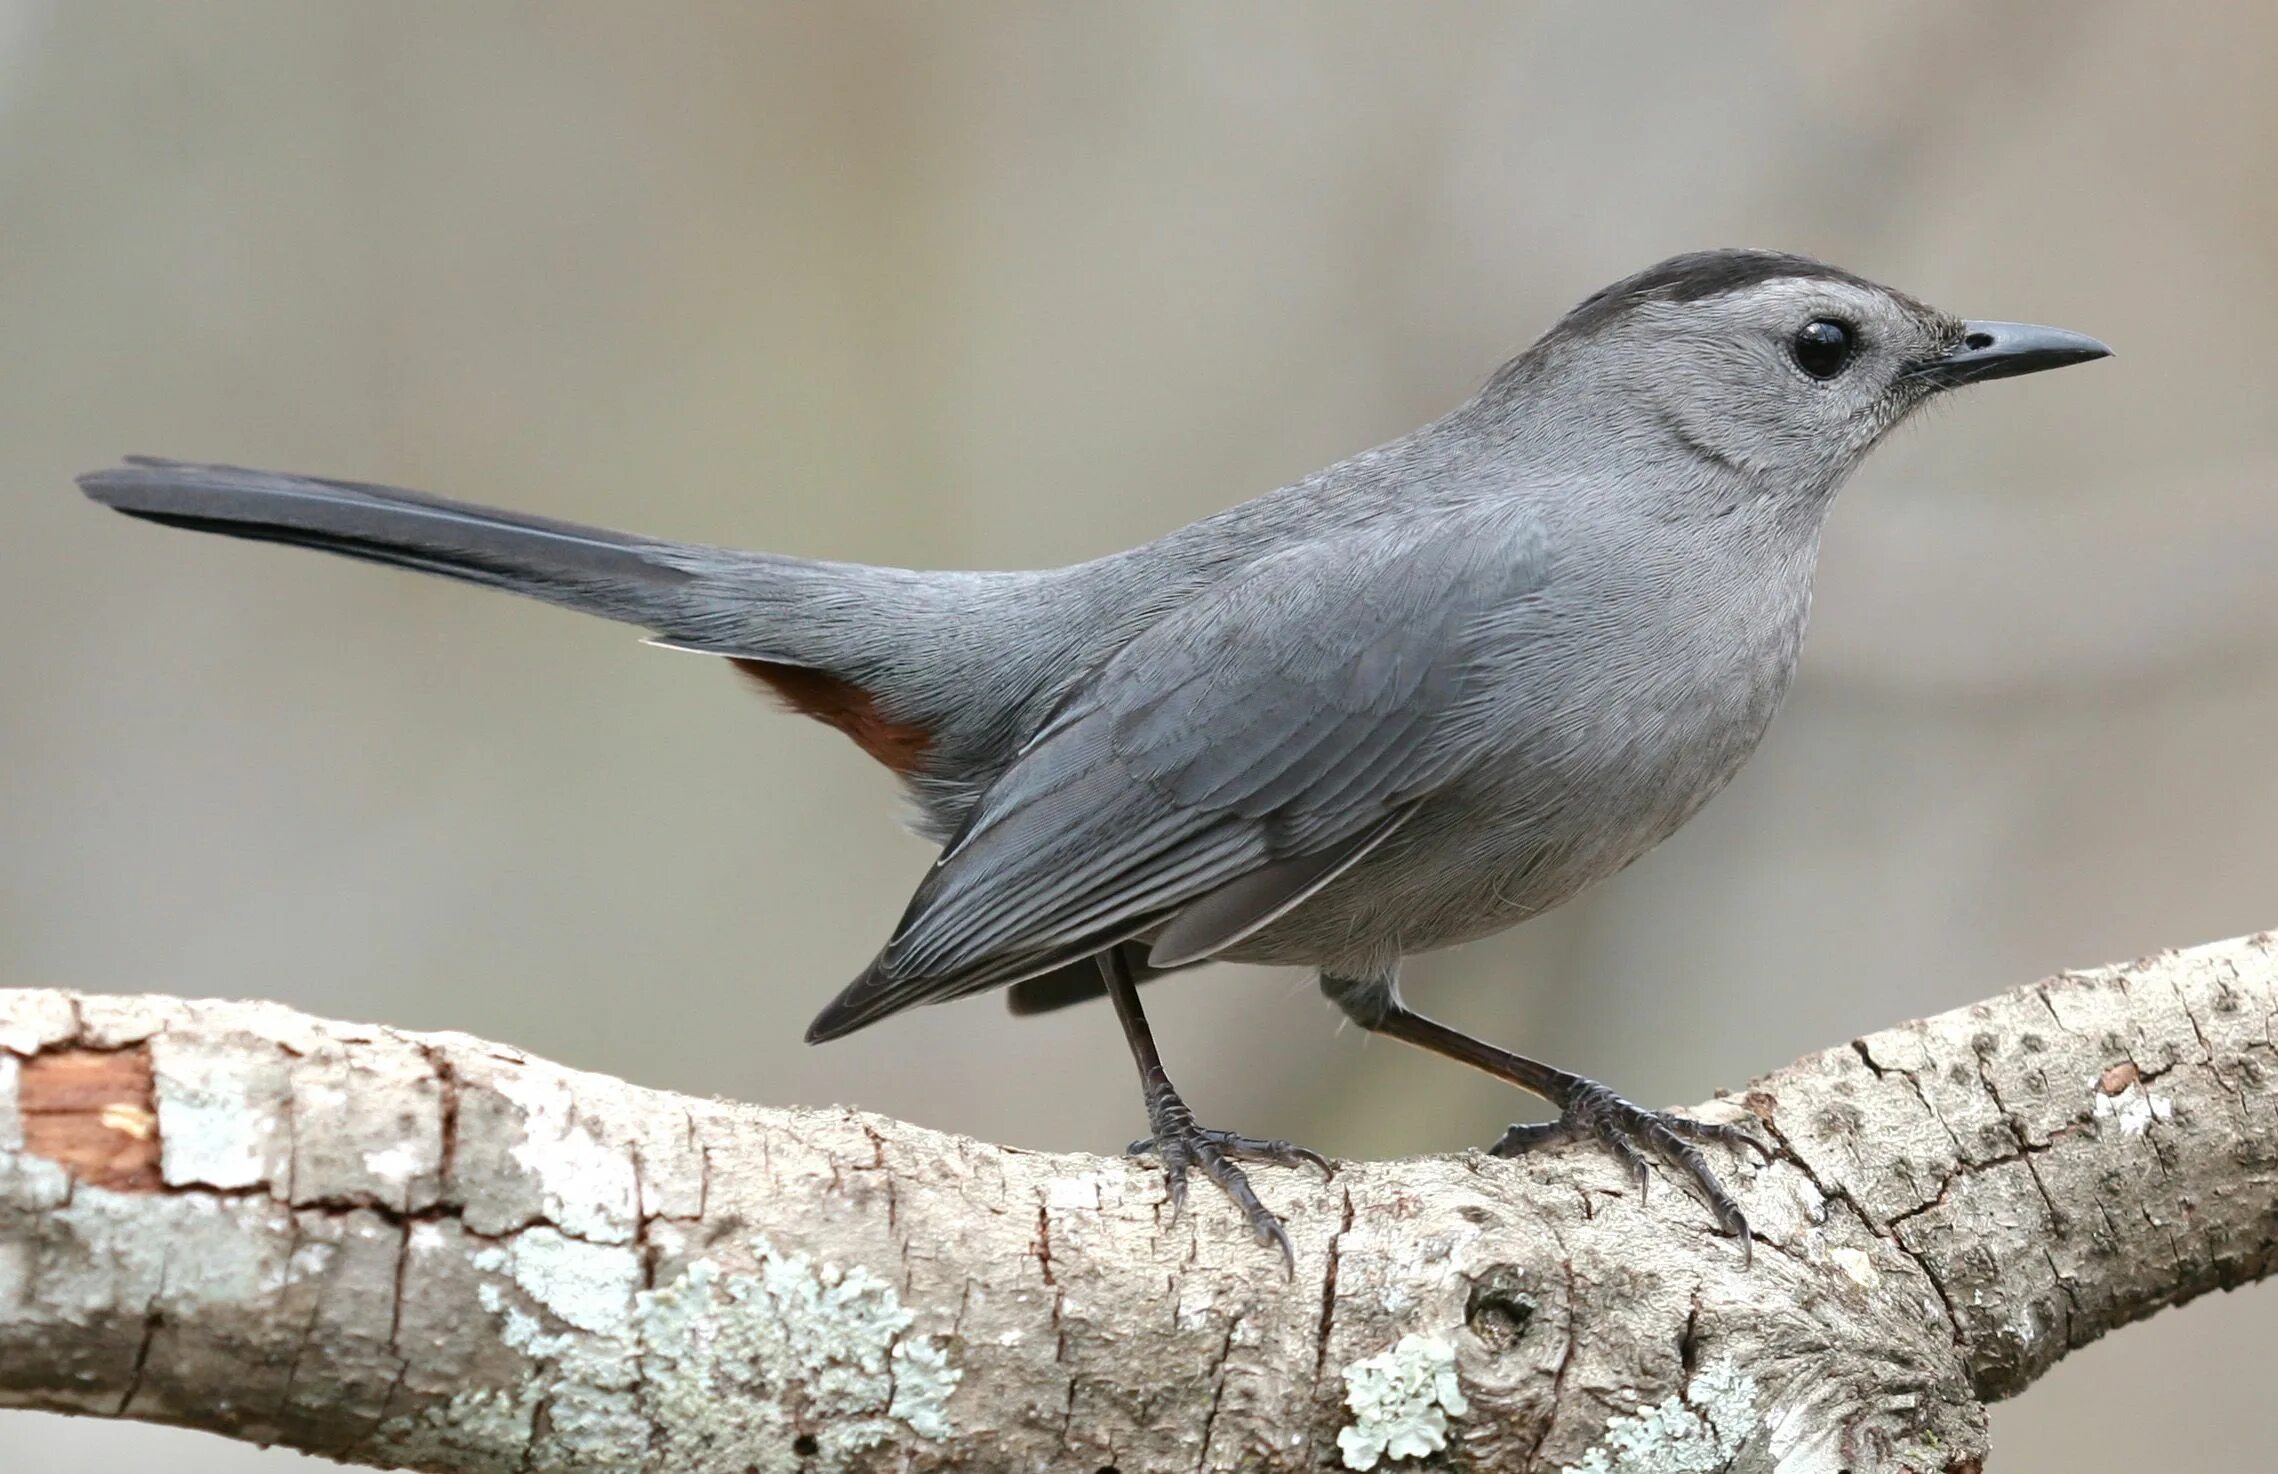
845 706
92 1112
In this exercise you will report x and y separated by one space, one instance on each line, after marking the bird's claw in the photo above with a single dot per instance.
1280 1153
1181 1145
1637 1137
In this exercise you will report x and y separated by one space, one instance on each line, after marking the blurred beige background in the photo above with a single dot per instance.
998 284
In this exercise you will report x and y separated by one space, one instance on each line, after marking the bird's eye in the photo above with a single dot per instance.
1822 348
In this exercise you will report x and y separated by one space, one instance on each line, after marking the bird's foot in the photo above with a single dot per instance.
1181 1145
1638 1136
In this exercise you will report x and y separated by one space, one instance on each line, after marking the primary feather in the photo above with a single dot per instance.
1232 758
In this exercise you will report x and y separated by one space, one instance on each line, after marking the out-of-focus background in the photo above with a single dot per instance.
995 284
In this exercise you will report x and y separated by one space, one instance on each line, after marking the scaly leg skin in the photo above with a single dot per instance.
1591 1112
1180 1145
1178 1142
1587 1110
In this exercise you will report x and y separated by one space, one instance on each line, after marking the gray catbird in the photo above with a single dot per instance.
1404 702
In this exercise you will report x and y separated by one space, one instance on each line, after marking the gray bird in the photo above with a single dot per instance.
1407 701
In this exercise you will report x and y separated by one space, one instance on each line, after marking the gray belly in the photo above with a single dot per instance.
1531 826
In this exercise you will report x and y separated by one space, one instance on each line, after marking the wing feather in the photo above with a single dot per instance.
1230 760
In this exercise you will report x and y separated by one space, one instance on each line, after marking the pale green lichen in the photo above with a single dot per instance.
1698 1430
824 1345
589 1286
726 1371
1401 1400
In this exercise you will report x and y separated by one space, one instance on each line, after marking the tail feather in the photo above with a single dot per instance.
587 568
857 648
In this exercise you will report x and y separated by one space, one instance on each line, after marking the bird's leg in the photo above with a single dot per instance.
1587 1110
1177 1141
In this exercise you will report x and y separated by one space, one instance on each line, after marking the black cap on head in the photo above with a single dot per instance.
1699 274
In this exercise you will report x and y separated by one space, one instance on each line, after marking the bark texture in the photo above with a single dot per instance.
425 1251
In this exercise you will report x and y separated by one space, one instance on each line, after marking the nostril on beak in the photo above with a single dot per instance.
1978 340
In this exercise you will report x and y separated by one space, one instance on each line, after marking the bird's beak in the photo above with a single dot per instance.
1999 350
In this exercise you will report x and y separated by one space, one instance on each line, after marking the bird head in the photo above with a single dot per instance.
1755 367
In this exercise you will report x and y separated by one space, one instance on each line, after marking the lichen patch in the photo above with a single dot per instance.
589 1286
1401 1400
793 1367
1698 1430
795 1348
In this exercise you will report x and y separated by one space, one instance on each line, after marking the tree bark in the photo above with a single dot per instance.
425 1251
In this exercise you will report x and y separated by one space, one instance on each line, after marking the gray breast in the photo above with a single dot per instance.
1613 732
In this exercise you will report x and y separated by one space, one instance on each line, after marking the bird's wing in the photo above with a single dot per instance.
1231 759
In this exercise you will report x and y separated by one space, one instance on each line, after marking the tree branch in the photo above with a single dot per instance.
424 1251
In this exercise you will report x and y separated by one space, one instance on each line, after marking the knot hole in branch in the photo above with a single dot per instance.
1500 1308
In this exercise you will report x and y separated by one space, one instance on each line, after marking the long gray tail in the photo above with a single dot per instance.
586 568
916 667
